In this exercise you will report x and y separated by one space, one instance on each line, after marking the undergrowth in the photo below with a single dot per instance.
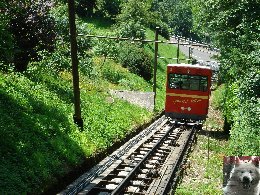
204 170
39 141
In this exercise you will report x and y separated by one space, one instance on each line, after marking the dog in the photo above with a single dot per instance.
244 177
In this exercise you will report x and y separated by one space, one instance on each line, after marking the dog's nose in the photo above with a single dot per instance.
246 180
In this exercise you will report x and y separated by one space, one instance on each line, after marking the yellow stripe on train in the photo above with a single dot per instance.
188 96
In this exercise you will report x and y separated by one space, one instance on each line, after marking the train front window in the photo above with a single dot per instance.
188 82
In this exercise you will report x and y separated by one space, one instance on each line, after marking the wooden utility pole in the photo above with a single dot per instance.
178 50
74 59
155 63
189 51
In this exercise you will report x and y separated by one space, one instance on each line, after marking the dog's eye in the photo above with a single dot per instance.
242 171
250 171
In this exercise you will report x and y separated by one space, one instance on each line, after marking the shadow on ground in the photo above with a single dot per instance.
219 135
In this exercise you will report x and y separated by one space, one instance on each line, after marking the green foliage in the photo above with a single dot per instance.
6 39
250 86
241 23
231 102
236 32
218 97
32 29
113 73
139 11
106 48
135 59
131 29
87 67
163 11
240 105
172 17
35 129
245 131
133 19
59 59
200 21
109 8
60 15
121 78
85 8
181 22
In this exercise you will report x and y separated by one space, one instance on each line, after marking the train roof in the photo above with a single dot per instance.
190 66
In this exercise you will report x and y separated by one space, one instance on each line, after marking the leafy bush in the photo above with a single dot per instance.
87 67
61 17
250 86
181 22
6 39
135 59
245 130
32 29
134 26
231 101
57 60
218 97
85 8
238 45
240 103
106 48
113 72
131 29
109 8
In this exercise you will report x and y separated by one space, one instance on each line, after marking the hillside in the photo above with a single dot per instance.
39 141
40 144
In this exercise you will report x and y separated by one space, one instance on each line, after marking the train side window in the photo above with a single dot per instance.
203 84
174 81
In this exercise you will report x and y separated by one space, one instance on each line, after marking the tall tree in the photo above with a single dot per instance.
181 21
174 16
235 26
134 17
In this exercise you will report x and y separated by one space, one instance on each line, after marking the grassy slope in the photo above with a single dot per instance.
39 140
204 174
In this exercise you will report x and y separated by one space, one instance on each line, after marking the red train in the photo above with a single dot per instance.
187 91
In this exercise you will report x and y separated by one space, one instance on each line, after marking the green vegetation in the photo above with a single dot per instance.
203 172
40 142
204 175
239 46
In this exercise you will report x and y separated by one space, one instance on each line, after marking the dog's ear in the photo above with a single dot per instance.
237 160
255 160
230 160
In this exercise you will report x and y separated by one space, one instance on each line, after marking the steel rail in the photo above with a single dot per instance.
180 159
125 182
74 189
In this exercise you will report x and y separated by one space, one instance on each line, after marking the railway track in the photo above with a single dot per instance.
148 164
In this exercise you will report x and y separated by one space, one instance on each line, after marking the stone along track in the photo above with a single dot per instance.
149 163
